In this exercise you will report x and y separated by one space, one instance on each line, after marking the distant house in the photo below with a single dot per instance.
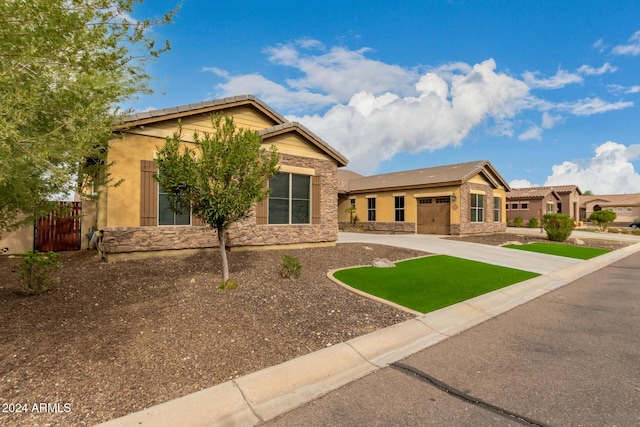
626 206
531 202
453 199
302 211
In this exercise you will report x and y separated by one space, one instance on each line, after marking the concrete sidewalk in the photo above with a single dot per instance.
265 394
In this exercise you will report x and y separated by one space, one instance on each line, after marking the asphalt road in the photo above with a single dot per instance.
568 358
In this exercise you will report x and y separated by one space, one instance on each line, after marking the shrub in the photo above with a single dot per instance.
38 272
557 226
290 266
603 218
533 222
517 221
228 285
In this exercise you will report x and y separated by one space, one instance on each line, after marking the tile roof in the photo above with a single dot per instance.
532 193
211 105
560 189
612 200
455 174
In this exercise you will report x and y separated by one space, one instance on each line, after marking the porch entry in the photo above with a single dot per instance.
61 229
434 215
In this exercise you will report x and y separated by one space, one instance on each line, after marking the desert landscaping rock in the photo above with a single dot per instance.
382 263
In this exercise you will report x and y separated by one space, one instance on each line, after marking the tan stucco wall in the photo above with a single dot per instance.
17 242
120 206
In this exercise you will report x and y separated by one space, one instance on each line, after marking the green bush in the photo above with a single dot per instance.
533 222
603 218
557 226
38 272
517 221
290 266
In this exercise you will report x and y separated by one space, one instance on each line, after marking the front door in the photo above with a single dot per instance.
434 215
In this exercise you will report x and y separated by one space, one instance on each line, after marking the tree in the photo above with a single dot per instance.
65 67
220 179
603 218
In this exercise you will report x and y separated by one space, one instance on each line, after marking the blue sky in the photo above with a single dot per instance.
547 91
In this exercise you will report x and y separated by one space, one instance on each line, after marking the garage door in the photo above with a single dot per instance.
434 215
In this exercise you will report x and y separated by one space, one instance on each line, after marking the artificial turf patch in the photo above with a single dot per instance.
430 283
570 251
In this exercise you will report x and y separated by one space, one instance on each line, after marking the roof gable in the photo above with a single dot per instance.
251 113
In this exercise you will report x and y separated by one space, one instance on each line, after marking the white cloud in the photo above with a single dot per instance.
589 106
371 111
534 132
610 171
632 48
372 128
549 121
599 45
521 183
590 71
619 89
560 80
340 71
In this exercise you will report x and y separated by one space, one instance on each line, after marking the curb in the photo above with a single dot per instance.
265 394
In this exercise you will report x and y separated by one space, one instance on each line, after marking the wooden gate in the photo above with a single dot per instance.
61 229
434 215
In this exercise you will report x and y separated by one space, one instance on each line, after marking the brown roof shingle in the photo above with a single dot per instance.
426 177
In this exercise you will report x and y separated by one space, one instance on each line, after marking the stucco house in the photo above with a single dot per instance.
462 198
300 212
528 203
531 202
626 206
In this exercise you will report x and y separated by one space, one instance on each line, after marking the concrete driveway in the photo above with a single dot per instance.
528 261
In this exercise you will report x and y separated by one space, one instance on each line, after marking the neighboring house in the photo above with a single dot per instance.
626 206
528 203
300 212
454 199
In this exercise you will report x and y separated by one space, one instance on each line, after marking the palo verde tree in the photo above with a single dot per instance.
65 66
220 179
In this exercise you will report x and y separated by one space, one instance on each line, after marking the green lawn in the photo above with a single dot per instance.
569 251
429 283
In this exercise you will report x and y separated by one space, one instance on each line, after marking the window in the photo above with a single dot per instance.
371 209
524 205
497 207
549 207
352 202
290 199
167 216
399 208
445 199
514 206
477 208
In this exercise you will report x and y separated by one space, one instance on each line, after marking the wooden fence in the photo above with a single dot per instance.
61 229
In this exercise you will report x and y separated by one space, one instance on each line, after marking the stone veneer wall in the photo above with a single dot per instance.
242 233
468 227
397 227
